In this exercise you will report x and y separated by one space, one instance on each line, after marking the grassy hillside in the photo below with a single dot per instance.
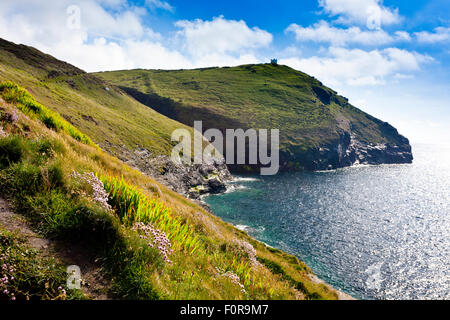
111 118
308 114
151 242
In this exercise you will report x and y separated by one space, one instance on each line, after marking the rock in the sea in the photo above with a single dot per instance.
216 185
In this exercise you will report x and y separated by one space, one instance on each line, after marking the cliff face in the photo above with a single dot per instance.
192 181
349 151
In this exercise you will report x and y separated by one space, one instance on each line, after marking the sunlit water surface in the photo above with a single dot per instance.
375 232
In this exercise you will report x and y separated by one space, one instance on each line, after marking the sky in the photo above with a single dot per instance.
390 58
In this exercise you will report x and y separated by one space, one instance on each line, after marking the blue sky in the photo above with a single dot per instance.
390 58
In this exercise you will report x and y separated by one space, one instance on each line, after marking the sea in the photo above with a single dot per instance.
374 232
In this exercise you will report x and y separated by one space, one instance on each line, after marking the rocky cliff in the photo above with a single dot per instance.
349 151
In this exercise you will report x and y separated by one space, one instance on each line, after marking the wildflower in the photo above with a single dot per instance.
99 193
156 238
235 279
250 250
11 117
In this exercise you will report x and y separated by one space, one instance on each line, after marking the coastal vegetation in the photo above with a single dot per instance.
151 242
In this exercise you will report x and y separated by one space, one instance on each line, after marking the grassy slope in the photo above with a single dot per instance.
255 96
35 174
111 118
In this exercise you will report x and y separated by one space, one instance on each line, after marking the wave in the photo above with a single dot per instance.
233 188
244 179
326 171
250 230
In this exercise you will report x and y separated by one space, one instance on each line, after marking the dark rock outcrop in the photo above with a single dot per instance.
192 181
323 95
349 151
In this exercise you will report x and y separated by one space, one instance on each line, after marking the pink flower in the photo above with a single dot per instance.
157 239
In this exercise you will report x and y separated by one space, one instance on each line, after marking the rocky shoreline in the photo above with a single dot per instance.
198 180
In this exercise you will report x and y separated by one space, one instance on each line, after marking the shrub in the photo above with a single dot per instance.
274 267
49 122
44 146
55 176
84 225
47 148
22 179
11 151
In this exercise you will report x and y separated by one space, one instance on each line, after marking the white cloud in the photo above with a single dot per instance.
364 12
324 32
118 38
403 36
418 111
46 23
356 67
104 55
221 36
440 34
125 24
159 4
104 39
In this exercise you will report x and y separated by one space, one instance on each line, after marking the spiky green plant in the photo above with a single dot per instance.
133 206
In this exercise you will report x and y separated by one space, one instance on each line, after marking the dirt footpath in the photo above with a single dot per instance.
95 285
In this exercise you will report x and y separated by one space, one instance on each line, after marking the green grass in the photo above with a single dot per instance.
18 96
112 119
10 151
299 285
308 114
39 190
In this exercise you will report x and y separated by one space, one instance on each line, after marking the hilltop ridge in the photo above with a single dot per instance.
319 129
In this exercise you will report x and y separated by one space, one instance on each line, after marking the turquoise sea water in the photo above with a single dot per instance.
375 232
